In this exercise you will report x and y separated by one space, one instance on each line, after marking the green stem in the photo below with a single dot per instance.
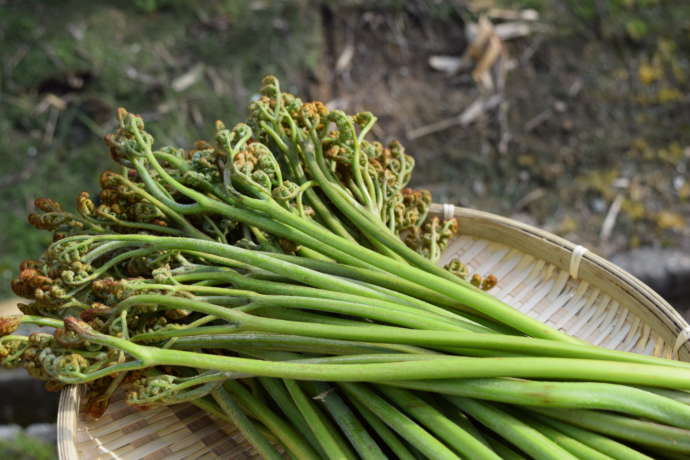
508 427
388 334
328 437
381 311
292 343
162 334
383 301
439 368
303 231
322 210
343 416
501 448
575 447
279 427
245 425
394 443
596 441
677 395
376 277
41 321
621 427
574 395
452 434
277 391
365 222
399 422
468 296
313 235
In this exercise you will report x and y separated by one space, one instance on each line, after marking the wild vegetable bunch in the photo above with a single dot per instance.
284 278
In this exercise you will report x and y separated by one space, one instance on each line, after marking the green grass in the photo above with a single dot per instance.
25 447
640 21
96 56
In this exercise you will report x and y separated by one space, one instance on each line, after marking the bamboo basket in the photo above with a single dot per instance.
539 274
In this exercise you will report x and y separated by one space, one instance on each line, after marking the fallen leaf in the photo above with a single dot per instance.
668 220
188 78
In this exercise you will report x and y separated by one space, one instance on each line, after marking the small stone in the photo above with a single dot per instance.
44 431
9 432
598 205
664 270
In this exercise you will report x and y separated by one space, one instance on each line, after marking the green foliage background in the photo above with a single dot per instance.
95 56
25 447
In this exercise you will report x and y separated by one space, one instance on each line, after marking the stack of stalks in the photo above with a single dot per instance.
282 277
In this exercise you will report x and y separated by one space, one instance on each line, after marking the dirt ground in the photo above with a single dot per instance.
586 127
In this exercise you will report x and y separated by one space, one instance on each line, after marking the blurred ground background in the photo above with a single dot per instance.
573 115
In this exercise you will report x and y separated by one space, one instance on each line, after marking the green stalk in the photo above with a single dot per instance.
163 334
265 261
304 316
295 167
245 425
280 288
343 416
574 395
510 428
291 343
465 314
300 230
304 251
399 315
448 431
186 226
388 334
279 427
277 391
366 221
351 427
386 299
617 426
677 395
501 448
439 368
371 358
392 441
399 422
41 321
208 405
376 277
327 215
396 286
464 422
436 278
594 440
225 292
243 209
491 306
324 432
311 317
575 447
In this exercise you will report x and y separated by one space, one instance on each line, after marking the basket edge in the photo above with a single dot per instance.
68 410
601 273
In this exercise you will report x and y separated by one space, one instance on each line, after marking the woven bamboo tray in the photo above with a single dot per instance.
539 274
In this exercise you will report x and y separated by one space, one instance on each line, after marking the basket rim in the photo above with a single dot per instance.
597 267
